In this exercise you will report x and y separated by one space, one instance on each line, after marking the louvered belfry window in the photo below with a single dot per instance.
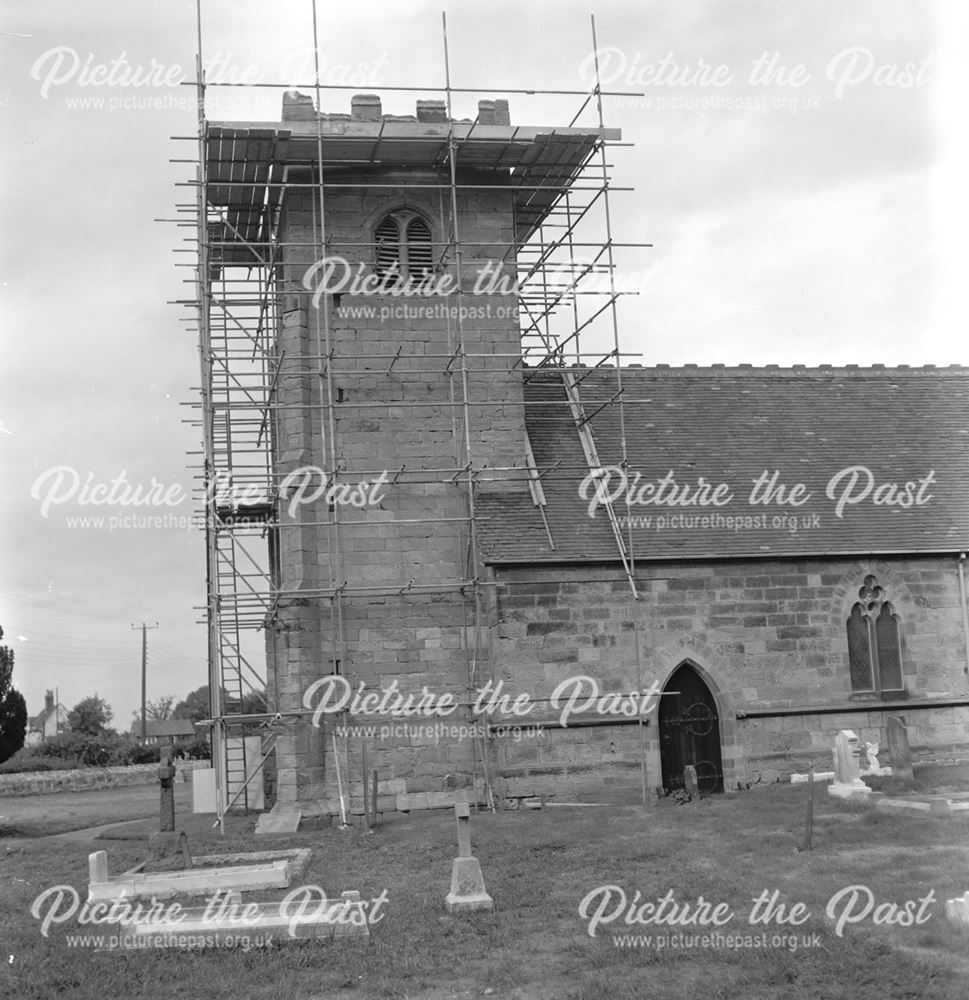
388 249
404 251
419 250
874 644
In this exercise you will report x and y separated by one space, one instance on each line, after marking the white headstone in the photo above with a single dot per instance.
846 766
847 782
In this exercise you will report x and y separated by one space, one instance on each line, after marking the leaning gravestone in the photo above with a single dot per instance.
847 782
899 751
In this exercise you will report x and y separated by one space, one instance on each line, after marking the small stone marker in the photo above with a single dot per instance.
957 910
468 891
166 776
97 863
847 782
279 820
690 782
899 752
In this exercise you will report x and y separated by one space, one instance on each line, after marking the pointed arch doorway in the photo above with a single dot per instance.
689 731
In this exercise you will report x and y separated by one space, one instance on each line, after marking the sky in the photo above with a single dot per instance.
798 171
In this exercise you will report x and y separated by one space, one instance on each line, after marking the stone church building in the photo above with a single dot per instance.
773 554
786 616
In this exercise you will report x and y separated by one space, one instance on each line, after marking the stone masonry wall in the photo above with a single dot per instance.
83 779
763 635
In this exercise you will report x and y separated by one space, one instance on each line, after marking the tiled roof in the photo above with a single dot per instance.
164 727
904 426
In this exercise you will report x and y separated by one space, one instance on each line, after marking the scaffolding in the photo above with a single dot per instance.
562 255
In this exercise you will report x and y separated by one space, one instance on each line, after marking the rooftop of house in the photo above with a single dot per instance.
36 722
160 728
816 461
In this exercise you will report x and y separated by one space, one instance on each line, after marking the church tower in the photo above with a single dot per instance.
394 408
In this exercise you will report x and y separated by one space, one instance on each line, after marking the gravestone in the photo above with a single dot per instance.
847 782
846 766
874 768
166 777
468 891
166 844
957 910
462 814
899 751
282 818
690 783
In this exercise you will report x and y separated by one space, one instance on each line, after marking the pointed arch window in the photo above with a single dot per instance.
404 250
874 644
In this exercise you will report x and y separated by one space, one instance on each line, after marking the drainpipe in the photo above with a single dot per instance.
962 605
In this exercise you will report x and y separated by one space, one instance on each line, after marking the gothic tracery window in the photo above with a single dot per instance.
874 646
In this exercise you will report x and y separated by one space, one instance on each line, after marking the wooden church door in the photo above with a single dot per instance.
689 732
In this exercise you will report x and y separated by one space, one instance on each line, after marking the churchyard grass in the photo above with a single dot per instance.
62 812
538 866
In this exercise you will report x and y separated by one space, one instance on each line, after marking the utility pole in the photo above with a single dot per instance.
144 669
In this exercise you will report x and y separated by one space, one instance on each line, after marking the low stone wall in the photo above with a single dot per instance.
82 779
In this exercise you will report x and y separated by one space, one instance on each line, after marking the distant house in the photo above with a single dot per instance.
49 722
163 729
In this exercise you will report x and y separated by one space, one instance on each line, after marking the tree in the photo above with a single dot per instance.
254 703
195 706
13 708
160 710
90 715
